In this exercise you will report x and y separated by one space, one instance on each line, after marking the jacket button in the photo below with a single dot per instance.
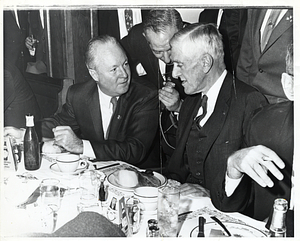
198 173
260 70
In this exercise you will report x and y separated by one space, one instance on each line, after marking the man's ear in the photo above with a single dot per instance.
207 62
93 74
287 82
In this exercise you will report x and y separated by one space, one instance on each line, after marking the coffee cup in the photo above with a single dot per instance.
70 163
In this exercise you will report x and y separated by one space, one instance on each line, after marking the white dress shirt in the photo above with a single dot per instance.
106 109
212 96
136 19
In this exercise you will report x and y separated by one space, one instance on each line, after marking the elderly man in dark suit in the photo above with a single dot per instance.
213 117
111 117
262 172
261 59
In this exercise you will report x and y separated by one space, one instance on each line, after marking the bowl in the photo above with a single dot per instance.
147 196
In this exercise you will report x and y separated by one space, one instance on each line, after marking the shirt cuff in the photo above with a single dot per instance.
231 184
88 149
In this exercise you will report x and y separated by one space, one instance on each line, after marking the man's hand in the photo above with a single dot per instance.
255 161
194 189
16 133
169 96
66 138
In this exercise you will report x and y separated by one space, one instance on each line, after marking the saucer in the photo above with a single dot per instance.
54 168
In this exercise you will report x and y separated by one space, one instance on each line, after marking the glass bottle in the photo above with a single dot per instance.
278 226
31 146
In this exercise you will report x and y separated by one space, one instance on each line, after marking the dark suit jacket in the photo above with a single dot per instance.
14 38
263 70
108 22
226 127
232 27
273 127
132 128
138 51
19 99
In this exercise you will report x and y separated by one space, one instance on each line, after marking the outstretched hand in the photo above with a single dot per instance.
255 161
66 138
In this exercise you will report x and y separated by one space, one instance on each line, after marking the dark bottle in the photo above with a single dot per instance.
278 223
31 146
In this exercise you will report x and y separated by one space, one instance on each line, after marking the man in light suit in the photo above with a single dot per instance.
262 68
203 146
88 123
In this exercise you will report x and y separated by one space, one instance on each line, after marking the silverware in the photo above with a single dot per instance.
201 222
221 224
31 199
100 168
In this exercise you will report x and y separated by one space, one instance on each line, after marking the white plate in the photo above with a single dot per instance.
236 230
112 179
54 168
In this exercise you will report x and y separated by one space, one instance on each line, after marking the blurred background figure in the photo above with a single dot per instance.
36 42
15 30
262 56
231 24
19 99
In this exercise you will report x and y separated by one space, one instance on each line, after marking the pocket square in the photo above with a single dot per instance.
140 70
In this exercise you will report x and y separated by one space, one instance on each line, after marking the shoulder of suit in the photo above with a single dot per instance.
141 91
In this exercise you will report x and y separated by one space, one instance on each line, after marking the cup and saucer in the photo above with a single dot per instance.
69 164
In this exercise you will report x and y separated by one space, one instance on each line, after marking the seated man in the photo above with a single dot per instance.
255 170
93 124
213 117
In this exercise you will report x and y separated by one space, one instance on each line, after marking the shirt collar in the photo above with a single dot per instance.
104 98
213 92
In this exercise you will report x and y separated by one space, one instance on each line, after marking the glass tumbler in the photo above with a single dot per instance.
167 210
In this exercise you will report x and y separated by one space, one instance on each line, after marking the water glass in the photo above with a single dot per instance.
50 193
167 210
89 186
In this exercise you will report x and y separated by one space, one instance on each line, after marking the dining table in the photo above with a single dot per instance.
18 185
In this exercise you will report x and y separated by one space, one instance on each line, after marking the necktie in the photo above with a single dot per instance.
128 19
204 107
114 102
269 28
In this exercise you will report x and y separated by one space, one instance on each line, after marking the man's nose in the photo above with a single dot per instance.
175 72
123 73
166 57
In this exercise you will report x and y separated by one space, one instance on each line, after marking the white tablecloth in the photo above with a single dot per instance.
15 190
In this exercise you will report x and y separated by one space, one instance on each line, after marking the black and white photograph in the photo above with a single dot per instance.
185 107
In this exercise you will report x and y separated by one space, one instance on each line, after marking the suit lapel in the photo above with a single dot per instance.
285 23
216 121
257 22
93 104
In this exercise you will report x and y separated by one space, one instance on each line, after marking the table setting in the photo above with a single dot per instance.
142 203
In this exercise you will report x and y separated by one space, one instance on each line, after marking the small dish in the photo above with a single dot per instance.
55 169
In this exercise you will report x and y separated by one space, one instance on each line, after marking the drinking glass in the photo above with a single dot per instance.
50 193
167 210
89 186
50 203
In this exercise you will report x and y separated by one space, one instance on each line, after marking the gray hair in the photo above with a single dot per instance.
91 48
159 19
205 35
